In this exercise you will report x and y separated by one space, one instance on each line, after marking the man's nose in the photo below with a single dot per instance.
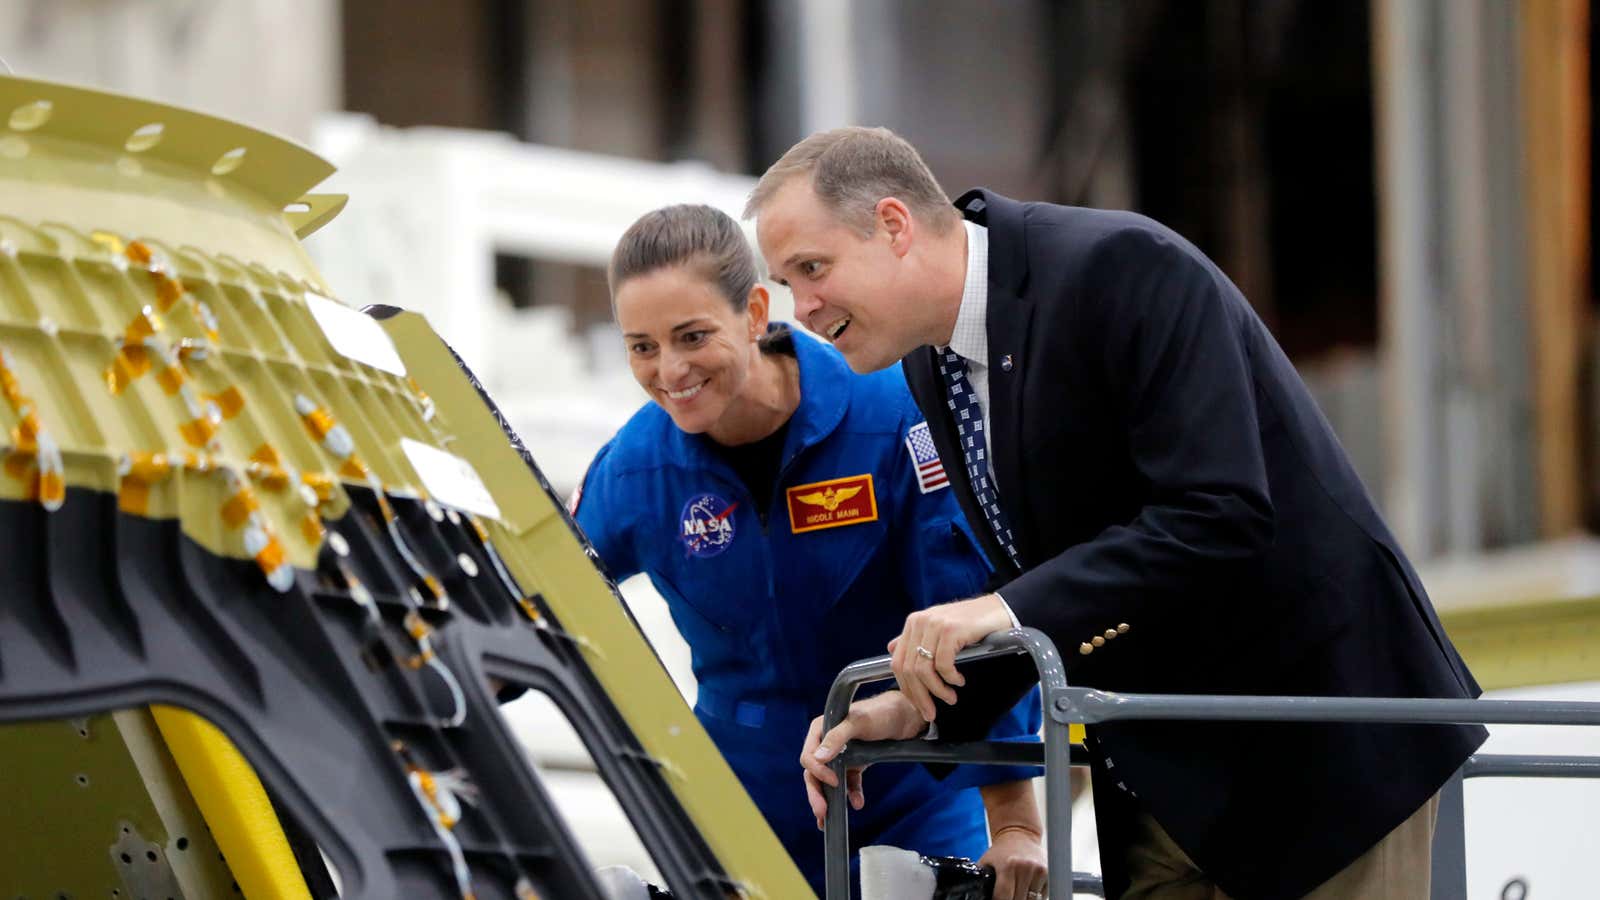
806 304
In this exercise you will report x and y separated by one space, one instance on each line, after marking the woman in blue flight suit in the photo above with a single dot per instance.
792 514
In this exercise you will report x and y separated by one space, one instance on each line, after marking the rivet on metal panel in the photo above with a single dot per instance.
29 116
229 161
144 137
144 869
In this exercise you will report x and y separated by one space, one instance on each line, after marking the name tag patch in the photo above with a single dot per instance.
830 504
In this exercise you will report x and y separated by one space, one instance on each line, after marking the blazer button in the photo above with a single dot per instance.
1111 633
1005 363
1098 641
1123 628
1086 649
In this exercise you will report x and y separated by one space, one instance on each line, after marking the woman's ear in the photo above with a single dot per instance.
758 303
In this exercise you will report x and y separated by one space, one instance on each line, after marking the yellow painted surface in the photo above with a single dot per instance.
235 806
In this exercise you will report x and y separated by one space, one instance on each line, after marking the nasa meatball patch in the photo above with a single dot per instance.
707 525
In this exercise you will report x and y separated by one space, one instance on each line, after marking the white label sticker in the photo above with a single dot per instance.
450 479
355 334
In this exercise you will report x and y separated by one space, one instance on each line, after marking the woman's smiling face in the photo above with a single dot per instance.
688 347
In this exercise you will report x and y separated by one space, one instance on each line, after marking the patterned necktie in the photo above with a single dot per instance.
967 410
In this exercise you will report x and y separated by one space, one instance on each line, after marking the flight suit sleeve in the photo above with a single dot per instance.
596 508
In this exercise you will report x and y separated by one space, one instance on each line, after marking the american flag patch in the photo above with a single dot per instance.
925 457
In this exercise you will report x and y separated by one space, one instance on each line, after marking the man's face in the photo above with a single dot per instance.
848 289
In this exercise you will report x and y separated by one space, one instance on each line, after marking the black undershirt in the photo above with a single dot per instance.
757 462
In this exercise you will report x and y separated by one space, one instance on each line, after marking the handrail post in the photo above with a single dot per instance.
1449 879
1057 754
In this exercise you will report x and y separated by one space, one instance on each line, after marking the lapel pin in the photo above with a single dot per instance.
1005 363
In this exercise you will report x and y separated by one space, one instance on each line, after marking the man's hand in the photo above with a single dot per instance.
886 717
1018 858
925 652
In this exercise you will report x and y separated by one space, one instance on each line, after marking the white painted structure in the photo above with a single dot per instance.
454 199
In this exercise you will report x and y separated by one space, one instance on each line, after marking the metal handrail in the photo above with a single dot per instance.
1065 706
1056 750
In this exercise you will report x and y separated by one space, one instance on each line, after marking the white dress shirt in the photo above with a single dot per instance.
970 341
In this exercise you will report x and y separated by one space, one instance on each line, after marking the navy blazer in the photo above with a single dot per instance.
1163 467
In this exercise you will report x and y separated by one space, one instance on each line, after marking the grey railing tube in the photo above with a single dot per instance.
1064 705
1092 706
1057 754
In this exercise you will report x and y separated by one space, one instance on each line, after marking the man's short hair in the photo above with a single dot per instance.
851 169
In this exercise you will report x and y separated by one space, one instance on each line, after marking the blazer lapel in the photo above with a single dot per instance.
1009 318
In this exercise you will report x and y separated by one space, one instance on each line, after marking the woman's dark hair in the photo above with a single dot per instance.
705 239
701 237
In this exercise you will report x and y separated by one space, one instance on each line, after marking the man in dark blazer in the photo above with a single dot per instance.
1160 495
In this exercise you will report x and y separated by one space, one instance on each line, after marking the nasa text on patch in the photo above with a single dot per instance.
707 525
830 504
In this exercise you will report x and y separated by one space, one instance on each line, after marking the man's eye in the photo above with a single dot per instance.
810 268
694 337
640 348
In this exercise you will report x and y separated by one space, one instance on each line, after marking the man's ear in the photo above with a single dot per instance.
759 305
894 218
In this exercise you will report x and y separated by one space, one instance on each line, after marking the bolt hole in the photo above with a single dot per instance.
150 855
183 843
82 780
144 137
229 161
29 116
127 859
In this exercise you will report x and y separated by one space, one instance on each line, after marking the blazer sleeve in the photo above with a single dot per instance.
1169 332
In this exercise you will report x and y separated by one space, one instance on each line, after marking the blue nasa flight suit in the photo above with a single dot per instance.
771 614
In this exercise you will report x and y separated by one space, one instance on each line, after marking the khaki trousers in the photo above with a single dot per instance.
1399 867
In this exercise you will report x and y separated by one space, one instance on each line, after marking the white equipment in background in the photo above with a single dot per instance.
457 198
